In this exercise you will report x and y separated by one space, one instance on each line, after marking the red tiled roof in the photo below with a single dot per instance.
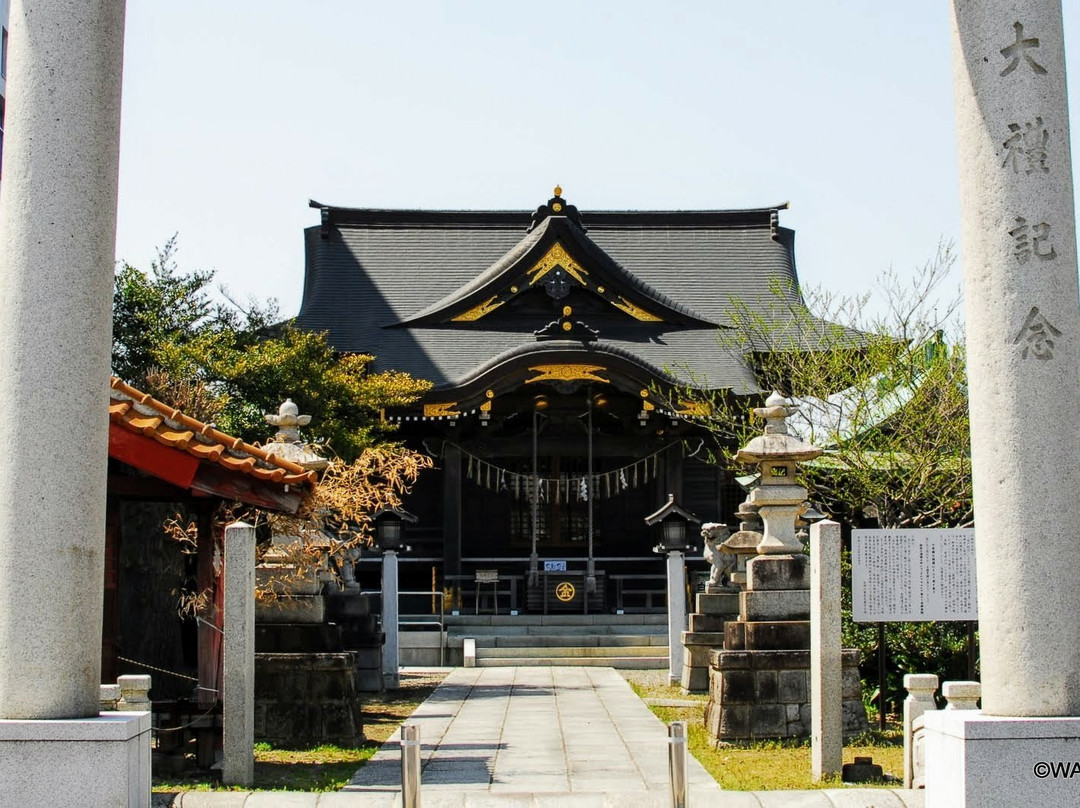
143 414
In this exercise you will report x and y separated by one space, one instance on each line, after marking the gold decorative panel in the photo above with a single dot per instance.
636 312
477 312
698 408
567 373
557 256
449 409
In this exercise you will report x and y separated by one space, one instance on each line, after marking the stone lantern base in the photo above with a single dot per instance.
759 683
766 694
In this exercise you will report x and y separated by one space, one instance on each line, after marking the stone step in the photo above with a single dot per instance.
547 619
568 651
553 631
556 640
624 663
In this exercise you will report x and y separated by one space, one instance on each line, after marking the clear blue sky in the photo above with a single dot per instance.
236 113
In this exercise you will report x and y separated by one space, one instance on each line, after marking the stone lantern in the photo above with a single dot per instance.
389 538
778 498
759 682
673 541
287 443
743 543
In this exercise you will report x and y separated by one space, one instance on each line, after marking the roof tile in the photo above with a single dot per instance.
141 413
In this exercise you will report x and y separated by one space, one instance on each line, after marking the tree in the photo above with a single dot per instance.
886 397
232 364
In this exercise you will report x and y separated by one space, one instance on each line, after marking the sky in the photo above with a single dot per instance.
235 114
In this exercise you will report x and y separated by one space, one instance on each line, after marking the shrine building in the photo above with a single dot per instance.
558 343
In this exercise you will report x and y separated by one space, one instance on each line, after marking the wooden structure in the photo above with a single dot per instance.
159 455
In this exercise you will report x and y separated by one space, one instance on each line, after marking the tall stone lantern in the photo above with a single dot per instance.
759 682
300 595
778 497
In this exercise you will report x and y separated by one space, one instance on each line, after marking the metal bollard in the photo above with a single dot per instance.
410 766
677 752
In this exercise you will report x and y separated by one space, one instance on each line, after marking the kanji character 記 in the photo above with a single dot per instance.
1031 241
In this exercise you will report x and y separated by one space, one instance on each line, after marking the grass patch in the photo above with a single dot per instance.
320 768
760 765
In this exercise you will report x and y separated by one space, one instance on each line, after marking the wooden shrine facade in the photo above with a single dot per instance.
558 345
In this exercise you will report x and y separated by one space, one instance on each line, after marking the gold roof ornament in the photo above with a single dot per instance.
557 256
558 190
567 373
446 409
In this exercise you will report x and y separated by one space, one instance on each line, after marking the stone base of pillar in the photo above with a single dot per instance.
91 761
974 759
307 700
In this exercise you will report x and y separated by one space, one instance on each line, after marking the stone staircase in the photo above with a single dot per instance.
637 641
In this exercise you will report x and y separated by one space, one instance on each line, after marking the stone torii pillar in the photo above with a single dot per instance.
57 244
1022 314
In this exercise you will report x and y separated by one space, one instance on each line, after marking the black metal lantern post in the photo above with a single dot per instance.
389 537
673 521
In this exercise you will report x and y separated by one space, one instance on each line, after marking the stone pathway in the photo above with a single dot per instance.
539 738
530 730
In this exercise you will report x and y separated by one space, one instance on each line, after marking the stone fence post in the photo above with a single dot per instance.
920 698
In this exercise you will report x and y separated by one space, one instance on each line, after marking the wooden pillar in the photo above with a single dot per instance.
451 510
209 639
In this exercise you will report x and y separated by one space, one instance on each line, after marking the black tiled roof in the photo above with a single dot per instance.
369 269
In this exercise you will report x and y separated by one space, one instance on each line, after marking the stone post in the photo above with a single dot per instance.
134 692
238 704
826 669
57 244
391 655
676 591
920 698
961 695
1022 315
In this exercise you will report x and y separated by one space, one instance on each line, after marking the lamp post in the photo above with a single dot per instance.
389 533
673 521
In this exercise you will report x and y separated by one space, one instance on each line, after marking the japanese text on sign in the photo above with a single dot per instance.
913 575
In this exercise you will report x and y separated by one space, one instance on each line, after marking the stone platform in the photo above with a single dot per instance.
974 759
766 694
106 758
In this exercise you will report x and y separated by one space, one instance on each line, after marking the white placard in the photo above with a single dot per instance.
913 575
554 566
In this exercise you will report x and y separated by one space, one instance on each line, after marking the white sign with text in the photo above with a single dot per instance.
913 575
